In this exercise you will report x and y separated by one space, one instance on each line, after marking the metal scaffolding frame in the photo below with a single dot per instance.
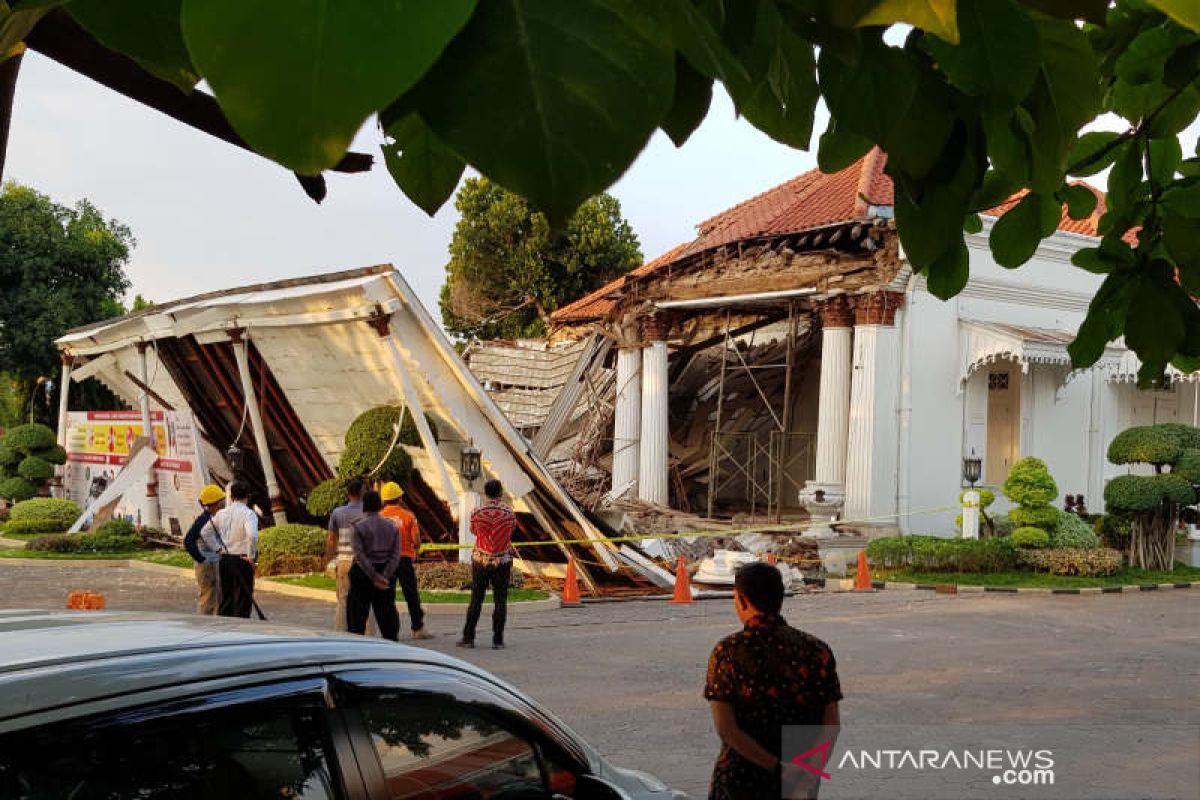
761 458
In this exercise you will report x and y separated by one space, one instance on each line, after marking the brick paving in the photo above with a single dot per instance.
627 676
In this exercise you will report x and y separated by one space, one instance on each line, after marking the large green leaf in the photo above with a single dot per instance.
935 16
693 95
420 164
948 274
1016 235
998 51
1090 10
839 149
1093 152
297 78
777 89
1185 12
148 31
1154 328
1065 96
1105 320
929 216
1080 200
552 100
696 38
15 24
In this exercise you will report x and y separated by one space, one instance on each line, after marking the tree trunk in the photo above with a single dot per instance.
1152 539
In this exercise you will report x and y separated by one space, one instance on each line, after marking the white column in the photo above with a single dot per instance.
823 496
274 496
467 501
64 389
627 420
873 430
652 468
151 514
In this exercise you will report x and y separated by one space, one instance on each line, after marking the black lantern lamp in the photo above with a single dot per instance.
470 466
972 469
235 457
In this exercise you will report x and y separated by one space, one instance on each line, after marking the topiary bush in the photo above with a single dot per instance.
1030 485
1073 532
61 512
379 423
1091 562
86 543
1044 517
1152 503
1114 530
29 453
16 489
1035 538
325 497
286 549
364 459
21 527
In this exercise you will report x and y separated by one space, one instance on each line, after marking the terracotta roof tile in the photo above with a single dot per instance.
807 201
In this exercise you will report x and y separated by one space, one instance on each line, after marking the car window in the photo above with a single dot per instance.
261 750
432 746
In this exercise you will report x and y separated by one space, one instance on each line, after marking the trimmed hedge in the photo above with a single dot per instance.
1073 532
288 549
934 554
1044 517
1029 483
30 438
17 489
85 543
1034 538
116 527
19 527
326 496
1147 492
1096 561
35 469
62 512
453 576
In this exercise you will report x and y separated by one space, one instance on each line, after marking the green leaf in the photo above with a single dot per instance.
930 223
693 94
1181 237
935 16
1125 179
777 90
1177 114
1089 259
420 164
972 223
947 275
996 188
839 149
1113 253
695 37
1183 201
1080 200
1154 328
1016 235
1090 10
147 31
997 53
1185 12
1105 320
552 100
297 78
15 25
1143 61
1065 96
1093 152
1090 341
1165 156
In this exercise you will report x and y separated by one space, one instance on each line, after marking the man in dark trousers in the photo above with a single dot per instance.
491 562
237 536
201 544
760 679
337 543
376 549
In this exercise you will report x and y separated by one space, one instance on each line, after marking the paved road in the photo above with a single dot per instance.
628 676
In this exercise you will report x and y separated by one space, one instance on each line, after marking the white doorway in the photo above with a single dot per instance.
1003 422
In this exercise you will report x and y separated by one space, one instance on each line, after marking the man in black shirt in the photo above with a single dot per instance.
760 679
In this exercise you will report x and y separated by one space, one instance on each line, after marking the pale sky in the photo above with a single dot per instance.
209 216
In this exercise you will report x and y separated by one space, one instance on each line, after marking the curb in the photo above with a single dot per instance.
958 588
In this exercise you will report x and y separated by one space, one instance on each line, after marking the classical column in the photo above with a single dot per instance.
152 516
653 464
274 496
824 494
64 389
627 419
873 444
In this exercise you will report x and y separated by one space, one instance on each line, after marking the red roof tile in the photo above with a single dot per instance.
807 201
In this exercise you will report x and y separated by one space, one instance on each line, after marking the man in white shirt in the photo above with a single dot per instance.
237 526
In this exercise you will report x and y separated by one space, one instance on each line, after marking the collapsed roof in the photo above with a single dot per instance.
319 352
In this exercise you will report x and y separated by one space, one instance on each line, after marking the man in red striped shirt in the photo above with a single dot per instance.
491 562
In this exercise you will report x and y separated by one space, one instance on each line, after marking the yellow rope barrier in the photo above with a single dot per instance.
788 528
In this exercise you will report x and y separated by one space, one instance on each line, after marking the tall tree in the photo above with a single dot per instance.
59 267
508 270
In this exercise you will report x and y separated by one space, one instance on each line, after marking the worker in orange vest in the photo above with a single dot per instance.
410 536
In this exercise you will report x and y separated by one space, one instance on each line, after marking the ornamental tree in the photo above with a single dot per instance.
1030 485
28 455
1153 502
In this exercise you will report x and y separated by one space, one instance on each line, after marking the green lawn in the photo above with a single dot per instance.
174 558
1125 577
23 537
316 580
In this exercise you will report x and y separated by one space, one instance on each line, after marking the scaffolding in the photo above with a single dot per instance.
762 459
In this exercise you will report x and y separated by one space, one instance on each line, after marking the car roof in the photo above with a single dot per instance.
62 659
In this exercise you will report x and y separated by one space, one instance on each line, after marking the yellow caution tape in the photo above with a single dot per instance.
788 528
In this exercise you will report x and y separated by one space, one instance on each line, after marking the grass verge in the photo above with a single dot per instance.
316 580
1041 580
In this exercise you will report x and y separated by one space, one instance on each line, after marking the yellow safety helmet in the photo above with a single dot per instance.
211 494
390 491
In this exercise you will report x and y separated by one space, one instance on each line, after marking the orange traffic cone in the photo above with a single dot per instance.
570 593
862 579
683 587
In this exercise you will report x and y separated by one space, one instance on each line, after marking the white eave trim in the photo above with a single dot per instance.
735 299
